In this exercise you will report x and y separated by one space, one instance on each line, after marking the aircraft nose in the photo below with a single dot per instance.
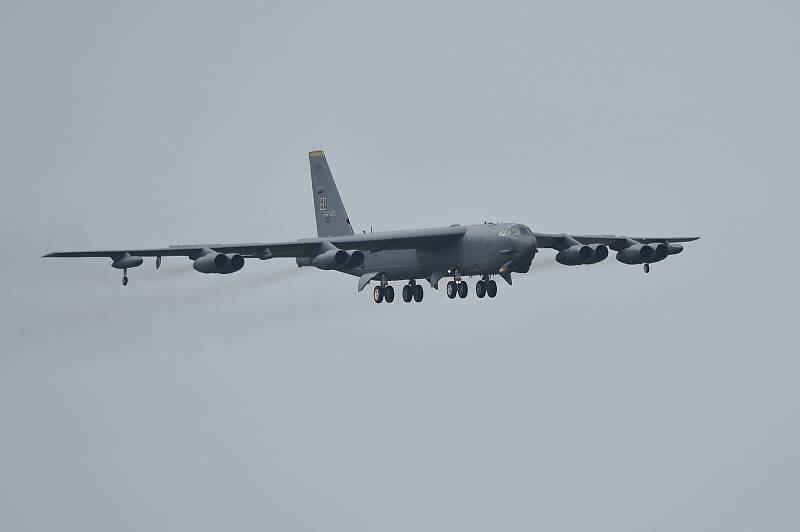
526 247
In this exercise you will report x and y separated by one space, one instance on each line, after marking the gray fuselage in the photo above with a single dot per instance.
482 250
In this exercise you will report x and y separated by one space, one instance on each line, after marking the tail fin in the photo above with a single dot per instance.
332 219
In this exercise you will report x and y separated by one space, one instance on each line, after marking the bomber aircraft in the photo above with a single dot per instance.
457 251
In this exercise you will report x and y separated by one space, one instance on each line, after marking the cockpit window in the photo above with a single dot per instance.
515 230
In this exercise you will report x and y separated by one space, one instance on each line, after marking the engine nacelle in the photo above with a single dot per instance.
660 252
337 259
647 253
356 259
578 254
333 259
218 263
636 254
600 254
127 261
235 263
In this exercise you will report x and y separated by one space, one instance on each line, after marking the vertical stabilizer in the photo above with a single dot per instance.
331 216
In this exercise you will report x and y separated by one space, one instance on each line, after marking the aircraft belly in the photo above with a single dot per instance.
471 257
403 263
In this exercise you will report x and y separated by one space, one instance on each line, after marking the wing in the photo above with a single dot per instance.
413 239
558 241
410 239
255 250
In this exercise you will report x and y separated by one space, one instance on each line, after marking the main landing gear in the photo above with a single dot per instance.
457 288
646 268
412 291
125 277
486 286
385 292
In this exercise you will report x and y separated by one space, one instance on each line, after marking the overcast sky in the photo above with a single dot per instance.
592 398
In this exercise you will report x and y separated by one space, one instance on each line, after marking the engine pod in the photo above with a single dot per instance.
575 255
636 254
211 263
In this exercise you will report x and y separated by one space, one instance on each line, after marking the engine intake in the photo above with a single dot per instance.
582 254
660 252
235 263
600 254
338 259
636 254
219 263
648 253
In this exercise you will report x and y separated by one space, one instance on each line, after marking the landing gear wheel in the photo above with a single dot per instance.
388 294
491 288
418 293
377 294
408 293
451 289
124 280
646 268
463 289
480 289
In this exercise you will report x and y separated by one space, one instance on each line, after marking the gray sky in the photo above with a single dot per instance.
589 398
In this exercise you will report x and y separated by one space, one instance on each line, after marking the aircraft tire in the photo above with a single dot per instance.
480 289
451 289
646 268
377 294
408 293
491 288
388 294
418 293
124 280
463 289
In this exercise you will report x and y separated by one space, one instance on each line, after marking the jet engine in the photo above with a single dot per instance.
660 252
648 253
636 254
582 254
338 259
600 254
219 263
235 263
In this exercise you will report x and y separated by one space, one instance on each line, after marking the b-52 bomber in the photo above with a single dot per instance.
484 250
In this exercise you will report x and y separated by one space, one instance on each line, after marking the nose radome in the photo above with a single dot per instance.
526 247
